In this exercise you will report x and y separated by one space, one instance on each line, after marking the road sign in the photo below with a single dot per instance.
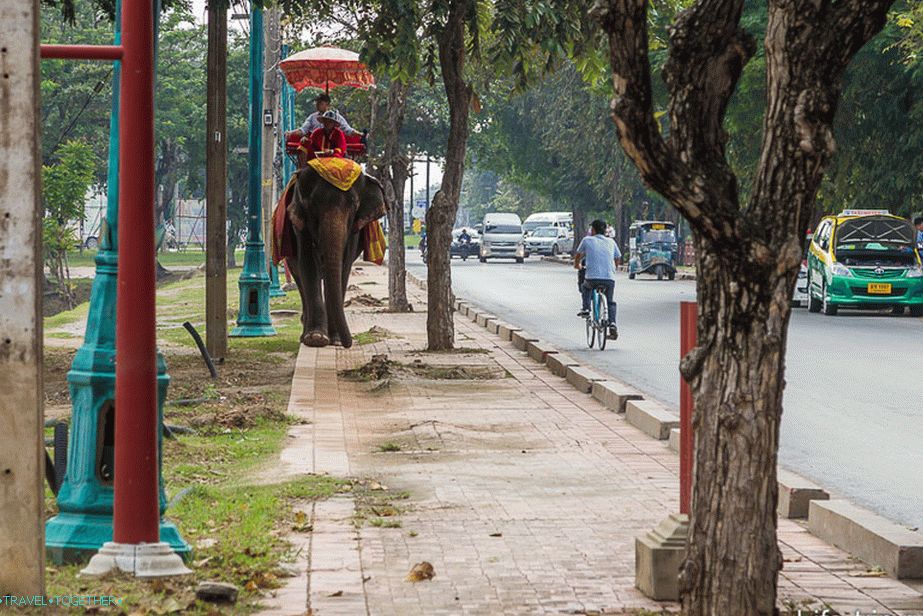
417 225
419 208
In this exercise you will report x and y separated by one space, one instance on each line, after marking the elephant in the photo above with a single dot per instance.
327 224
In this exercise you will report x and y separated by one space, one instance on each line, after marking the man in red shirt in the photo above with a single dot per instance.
328 140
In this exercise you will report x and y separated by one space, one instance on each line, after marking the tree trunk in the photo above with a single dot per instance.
394 170
440 329
747 259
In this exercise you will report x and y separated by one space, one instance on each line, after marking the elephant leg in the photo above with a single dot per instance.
317 326
312 311
333 249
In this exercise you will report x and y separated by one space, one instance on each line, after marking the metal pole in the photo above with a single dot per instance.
136 512
427 183
412 173
253 318
216 179
688 317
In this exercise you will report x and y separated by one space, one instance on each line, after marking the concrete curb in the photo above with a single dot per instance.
862 533
558 363
651 418
796 494
506 331
870 537
583 378
539 350
673 440
520 339
615 394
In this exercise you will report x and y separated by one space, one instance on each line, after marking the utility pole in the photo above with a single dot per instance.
272 55
216 180
22 445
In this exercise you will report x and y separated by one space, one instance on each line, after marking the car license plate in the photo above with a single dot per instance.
879 288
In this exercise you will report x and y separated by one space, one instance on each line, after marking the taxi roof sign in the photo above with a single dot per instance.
865 213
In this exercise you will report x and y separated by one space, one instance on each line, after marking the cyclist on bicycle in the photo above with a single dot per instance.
601 255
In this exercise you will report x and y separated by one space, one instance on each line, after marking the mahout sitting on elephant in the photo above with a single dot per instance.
320 229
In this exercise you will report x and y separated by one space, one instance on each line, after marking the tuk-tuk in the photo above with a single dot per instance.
652 249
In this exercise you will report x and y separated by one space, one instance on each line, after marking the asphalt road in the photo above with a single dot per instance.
853 419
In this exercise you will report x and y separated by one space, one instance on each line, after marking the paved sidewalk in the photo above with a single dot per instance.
524 495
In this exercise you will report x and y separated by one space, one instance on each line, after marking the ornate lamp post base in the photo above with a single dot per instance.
274 289
253 319
75 537
143 560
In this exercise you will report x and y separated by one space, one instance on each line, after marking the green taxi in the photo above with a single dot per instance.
864 259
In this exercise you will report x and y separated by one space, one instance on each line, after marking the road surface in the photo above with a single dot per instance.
853 418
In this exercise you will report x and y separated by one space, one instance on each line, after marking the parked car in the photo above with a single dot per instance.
464 249
502 238
800 295
865 259
550 241
539 220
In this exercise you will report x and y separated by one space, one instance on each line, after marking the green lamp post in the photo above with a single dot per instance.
84 521
253 318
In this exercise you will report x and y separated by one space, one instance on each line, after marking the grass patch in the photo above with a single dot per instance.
237 529
373 335
389 447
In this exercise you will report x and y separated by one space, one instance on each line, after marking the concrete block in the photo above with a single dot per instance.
583 378
673 441
796 493
658 557
506 331
651 418
539 350
520 339
483 317
558 364
615 394
457 304
868 536
473 313
493 325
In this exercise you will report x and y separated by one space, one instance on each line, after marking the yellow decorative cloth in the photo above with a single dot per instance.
341 172
373 243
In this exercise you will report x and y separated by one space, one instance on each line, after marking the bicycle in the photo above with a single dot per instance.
597 322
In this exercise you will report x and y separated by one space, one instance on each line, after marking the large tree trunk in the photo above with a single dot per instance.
747 259
393 175
440 329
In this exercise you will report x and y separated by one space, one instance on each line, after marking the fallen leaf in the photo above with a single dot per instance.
338 593
251 586
421 572
496 534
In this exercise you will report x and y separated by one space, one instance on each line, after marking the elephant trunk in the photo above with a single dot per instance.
333 247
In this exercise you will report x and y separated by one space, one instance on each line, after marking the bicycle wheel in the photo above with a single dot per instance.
590 332
602 323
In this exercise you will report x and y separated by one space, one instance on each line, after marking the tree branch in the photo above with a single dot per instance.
707 55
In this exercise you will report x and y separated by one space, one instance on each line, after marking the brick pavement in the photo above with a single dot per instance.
524 494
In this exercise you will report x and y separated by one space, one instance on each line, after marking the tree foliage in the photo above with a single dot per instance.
64 188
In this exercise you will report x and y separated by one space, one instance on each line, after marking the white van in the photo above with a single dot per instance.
559 220
501 237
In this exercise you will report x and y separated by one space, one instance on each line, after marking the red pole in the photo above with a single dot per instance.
136 509
688 316
82 52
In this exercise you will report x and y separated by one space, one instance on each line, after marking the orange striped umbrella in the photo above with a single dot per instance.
326 67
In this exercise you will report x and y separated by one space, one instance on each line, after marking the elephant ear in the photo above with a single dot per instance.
372 202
